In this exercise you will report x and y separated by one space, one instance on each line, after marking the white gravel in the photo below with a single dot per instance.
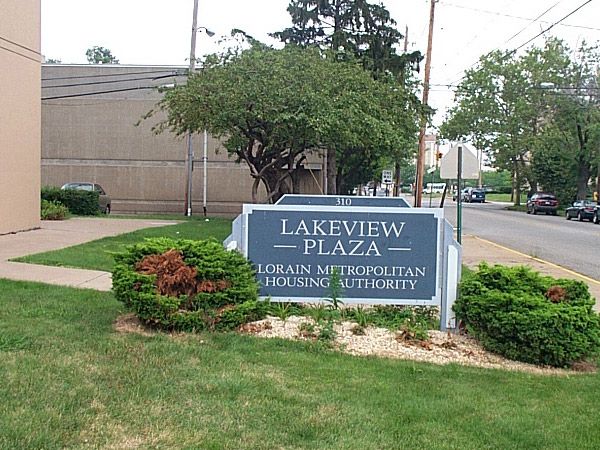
441 348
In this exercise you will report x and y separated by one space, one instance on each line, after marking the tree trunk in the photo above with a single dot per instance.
255 185
583 176
517 183
584 169
331 172
397 179
275 184
598 182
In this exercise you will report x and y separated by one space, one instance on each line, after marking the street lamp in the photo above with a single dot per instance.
190 149
206 30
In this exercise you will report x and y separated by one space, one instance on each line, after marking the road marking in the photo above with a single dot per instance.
572 272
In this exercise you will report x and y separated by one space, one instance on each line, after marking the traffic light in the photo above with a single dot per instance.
438 155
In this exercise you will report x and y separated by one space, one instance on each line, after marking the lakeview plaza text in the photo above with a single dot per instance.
355 236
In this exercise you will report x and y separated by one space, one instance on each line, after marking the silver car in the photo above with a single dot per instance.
103 198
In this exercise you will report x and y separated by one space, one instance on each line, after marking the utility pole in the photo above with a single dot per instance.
397 168
190 150
205 171
459 195
421 154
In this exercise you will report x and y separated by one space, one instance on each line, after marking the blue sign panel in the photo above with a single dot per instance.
382 255
343 200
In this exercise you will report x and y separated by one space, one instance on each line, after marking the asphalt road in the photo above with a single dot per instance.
571 244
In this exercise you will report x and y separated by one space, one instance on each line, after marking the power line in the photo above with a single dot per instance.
450 86
79 105
550 27
93 83
98 92
512 16
183 71
545 30
532 22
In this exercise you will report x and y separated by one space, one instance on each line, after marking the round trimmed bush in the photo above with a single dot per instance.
187 285
525 316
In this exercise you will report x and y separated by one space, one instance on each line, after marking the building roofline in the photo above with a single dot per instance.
113 66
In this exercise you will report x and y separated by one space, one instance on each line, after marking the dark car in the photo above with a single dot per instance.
542 202
472 195
596 218
104 203
582 209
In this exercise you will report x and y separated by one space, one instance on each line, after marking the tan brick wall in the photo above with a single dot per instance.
95 138
19 115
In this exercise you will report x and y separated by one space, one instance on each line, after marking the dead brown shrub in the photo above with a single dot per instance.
556 294
174 277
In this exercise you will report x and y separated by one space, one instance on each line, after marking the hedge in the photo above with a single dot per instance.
525 316
82 203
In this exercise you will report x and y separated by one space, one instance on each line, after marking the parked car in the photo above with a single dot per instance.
582 209
542 202
104 203
596 218
471 195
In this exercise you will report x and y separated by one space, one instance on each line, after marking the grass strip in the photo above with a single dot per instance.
98 254
71 381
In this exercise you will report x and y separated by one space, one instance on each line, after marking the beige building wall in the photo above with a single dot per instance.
19 115
431 148
101 138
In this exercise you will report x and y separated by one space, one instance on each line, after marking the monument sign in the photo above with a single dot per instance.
384 255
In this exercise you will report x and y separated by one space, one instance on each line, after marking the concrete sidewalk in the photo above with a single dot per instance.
55 235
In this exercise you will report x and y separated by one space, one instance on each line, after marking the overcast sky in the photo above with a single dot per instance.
158 31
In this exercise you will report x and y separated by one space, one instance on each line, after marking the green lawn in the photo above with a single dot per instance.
70 381
504 198
97 254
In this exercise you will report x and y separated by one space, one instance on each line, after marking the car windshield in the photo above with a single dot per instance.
547 197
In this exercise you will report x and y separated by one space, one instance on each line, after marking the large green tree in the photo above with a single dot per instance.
571 125
494 111
504 106
273 107
360 30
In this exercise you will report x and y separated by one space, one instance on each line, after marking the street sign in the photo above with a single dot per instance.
386 176
449 164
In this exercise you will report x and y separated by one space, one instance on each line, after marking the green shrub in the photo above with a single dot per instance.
82 203
525 316
53 210
225 294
